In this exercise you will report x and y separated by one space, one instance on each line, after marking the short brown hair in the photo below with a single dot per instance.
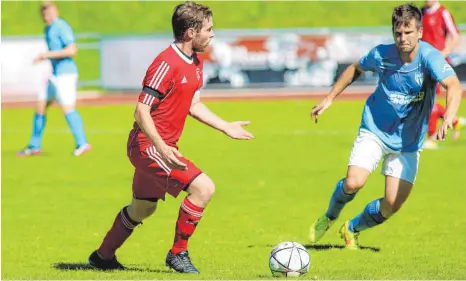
403 14
46 5
189 15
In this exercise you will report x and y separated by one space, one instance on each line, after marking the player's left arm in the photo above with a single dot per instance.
453 98
67 52
202 113
443 73
66 36
453 36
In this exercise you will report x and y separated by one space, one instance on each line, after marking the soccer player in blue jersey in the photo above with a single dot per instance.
62 85
394 122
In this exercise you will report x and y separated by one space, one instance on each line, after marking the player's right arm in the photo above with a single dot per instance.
66 36
155 86
350 75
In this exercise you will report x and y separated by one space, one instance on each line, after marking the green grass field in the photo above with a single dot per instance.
135 17
56 208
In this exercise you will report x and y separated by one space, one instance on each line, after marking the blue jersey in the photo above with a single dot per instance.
58 35
398 111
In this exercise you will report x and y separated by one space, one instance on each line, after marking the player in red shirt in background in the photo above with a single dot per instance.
439 30
170 92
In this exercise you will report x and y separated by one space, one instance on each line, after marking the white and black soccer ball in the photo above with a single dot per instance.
289 259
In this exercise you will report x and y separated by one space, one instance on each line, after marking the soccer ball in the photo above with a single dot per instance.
289 259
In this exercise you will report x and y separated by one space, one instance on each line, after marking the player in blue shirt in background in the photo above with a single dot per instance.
394 122
62 85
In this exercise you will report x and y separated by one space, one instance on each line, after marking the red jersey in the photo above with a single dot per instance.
437 23
168 87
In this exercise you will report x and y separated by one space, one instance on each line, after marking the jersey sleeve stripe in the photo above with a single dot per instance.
157 75
160 79
161 66
449 22
148 99
145 98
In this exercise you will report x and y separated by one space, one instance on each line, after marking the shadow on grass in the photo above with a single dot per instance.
327 247
86 266
322 247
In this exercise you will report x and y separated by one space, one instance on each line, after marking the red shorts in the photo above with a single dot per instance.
153 178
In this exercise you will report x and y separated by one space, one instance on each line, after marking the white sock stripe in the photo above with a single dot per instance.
125 221
194 214
163 76
152 98
156 155
157 72
191 211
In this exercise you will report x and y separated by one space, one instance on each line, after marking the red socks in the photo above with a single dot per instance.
117 235
188 218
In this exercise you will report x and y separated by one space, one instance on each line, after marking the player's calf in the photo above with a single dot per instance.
389 207
190 214
120 231
139 210
370 217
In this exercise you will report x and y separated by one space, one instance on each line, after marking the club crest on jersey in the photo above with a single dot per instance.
198 74
419 77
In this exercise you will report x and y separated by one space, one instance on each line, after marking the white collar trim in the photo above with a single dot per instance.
183 56
433 8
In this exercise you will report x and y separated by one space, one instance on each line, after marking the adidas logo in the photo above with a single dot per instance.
184 80
446 67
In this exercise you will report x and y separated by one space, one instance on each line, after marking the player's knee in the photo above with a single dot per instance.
207 191
67 108
202 189
353 184
141 209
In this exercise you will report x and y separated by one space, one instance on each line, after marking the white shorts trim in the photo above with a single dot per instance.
63 88
368 150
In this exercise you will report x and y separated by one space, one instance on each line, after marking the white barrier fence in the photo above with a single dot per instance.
236 59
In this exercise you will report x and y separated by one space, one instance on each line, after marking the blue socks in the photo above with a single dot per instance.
338 201
38 126
77 128
370 217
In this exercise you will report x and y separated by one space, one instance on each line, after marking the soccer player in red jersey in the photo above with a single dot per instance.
439 30
170 91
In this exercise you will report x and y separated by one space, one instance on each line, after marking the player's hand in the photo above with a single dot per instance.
442 132
236 131
320 108
170 157
39 58
445 54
